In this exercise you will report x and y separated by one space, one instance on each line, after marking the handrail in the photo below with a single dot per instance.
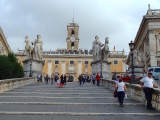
9 84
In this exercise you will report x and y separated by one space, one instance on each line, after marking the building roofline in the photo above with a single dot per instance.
5 40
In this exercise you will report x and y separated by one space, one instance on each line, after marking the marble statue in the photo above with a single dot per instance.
86 69
105 50
138 59
158 36
38 48
96 47
56 69
28 48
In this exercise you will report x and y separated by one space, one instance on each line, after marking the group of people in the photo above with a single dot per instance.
147 83
60 80
93 78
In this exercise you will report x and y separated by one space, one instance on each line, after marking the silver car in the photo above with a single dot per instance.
155 72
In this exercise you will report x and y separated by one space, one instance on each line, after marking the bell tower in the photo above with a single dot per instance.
72 36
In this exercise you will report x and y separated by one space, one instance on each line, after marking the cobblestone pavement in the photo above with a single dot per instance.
72 102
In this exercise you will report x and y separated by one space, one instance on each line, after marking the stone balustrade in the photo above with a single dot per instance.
135 91
9 84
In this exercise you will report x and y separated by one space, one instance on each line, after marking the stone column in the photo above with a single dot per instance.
123 66
63 67
79 67
49 67
93 68
144 57
152 48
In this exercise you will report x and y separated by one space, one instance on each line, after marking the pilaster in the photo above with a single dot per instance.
49 67
152 48
63 67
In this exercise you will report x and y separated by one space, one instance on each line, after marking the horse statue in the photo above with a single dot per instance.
28 48
105 50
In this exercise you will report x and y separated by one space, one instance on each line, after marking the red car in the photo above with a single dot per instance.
127 77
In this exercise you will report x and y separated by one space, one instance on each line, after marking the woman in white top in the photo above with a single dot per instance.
121 89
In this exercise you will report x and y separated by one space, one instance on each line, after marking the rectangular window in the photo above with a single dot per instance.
115 62
71 62
56 62
86 62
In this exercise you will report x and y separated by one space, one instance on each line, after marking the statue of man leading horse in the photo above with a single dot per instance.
100 51
34 53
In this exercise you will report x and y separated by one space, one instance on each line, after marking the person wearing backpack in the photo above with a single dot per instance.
55 78
80 78
46 79
93 78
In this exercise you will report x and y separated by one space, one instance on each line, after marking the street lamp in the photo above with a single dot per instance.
101 76
30 74
131 46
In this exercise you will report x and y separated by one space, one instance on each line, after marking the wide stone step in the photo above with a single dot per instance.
77 108
66 103
68 100
76 113
58 95
79 117
44 97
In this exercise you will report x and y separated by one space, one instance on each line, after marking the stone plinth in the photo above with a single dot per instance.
138 72
36 67
96 68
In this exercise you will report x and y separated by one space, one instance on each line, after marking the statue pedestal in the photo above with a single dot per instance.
35 66
96 68
138 71
106 69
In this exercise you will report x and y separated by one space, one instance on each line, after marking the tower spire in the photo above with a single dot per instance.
73 17
149 7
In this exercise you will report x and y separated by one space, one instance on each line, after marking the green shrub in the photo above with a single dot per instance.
5 68
10 67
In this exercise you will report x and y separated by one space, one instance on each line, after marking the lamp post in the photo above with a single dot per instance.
131 46
101 76
30 74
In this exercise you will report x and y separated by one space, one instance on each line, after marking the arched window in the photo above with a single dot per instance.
72 46
72 34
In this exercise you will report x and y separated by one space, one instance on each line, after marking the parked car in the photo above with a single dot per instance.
155 72
127 77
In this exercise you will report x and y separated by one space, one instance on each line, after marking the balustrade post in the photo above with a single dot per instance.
10 86
0 87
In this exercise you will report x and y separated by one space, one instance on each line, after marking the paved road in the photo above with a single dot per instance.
72 102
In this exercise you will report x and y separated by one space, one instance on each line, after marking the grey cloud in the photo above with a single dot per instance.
117 20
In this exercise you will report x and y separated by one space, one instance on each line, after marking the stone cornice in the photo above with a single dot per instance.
5 41
146 19
99 61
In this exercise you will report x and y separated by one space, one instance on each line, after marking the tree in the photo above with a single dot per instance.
5 68
17 69
10 67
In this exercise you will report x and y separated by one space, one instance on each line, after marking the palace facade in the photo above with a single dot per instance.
73 61
147 41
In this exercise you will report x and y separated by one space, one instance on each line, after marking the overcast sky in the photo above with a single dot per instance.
117 19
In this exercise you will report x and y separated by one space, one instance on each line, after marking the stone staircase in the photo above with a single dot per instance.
72 102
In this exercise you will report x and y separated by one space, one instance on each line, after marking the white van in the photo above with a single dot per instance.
155 72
